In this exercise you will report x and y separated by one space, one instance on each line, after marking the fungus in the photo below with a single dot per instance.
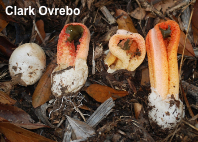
166 107
27 61
128 50
72 50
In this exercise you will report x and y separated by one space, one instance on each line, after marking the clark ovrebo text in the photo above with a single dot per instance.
43 10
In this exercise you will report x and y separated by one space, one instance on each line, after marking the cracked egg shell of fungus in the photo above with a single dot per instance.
29 61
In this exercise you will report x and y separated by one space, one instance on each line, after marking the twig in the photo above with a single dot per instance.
173 132
191 90
193 118
146 134
190 125
186 101
67 20
77 109
109 82
146 5
95 16
43 42
61 122
140 22
185 45
132 87
99 82
107 14
93 62
4 73
175 7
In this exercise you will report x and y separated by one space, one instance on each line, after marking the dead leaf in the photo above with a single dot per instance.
17 134
101 93
164 5
194 23
98 51
145 77
5 99
81 129
195 15
7 18
43 90
2 4
31 125
18 117
6 47
153 1
138 13
3 23
83 2
89 2
40 26
109 34
124 21
189 49
4 120
195 34
6 86
84 107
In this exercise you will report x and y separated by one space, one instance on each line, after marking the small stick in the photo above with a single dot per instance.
145 5
77 109
190 125
109 82
38 33
132 86
186 101
95 16
108 15
171 134
93 62
185 45
175 7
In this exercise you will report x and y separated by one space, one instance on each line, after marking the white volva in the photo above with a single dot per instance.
69 79
29 61
166 113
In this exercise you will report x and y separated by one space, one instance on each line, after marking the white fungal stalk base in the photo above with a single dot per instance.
166 113
69 80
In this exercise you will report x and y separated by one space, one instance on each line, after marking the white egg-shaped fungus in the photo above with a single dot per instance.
28 61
